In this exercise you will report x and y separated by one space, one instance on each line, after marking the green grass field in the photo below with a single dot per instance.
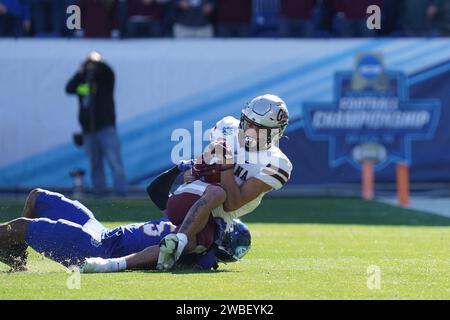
307 248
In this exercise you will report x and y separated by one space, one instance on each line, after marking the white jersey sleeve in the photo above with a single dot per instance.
276 173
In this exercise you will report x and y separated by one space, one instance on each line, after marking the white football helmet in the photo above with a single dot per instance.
269 115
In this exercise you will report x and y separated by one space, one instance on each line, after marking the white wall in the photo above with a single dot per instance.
157 78
36 114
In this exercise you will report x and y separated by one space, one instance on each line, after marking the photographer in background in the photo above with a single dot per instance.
94 86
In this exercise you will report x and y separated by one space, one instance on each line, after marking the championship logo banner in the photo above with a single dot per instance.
371 116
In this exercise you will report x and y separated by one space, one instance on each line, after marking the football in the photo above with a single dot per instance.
207 173
213 178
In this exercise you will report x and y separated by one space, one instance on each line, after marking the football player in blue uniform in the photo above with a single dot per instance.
67 232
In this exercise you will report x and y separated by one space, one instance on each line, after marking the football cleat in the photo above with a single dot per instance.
167 250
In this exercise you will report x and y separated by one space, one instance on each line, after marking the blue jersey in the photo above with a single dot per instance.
138 236
67 232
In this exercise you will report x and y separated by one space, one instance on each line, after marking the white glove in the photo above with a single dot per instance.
100 265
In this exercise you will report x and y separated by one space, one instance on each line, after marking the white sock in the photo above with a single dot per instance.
121 264
182 242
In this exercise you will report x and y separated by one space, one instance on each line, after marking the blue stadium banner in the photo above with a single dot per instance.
372 116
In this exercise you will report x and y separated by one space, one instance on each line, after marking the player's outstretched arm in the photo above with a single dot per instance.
143 260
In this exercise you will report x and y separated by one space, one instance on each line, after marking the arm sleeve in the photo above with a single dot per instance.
159 188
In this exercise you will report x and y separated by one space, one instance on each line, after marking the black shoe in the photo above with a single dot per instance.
16 257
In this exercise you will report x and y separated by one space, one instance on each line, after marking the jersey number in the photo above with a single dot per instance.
155 230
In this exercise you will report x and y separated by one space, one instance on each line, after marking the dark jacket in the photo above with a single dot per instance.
97 109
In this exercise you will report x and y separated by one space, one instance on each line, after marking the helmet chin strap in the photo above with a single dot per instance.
252 142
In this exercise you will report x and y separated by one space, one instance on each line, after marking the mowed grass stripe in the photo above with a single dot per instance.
295 259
